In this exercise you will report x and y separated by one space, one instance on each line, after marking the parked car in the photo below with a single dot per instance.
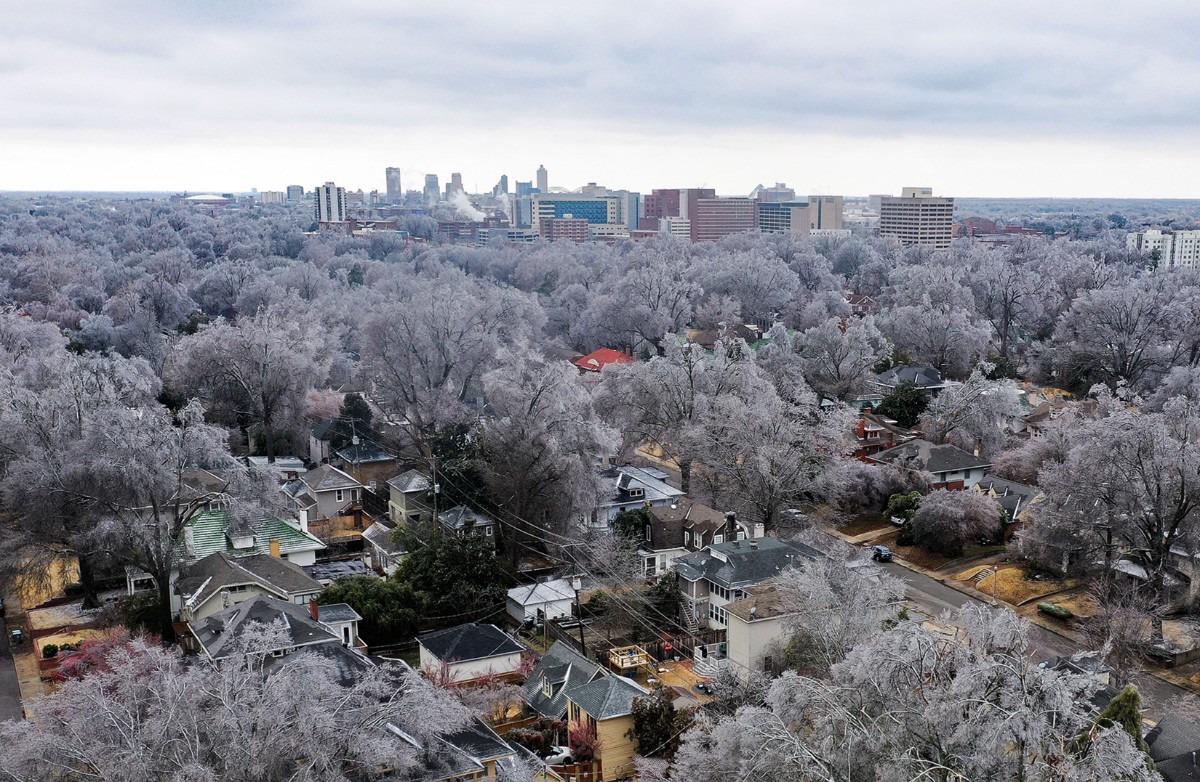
881 553
559 756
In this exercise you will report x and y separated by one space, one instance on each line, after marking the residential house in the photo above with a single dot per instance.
541 601
219 635
685 526
604 707
469 652
474 752
211 531
323 493
219 581
721 573
952 468
756 629
594 363
708 338
410 497
320 447
367 462
383 549
628 488
560 669
460 521
860 304
875 433
1015 498
924 377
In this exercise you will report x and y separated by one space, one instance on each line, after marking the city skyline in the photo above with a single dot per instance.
1013 99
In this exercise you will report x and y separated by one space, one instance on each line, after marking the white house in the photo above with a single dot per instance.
545 600
469 652
629 488
755 630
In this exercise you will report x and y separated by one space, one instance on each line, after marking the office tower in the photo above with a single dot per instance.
331 203
501 187
774 195
295 193
431 188
524 188
714 218
1167 249
543 180
395 193
825 213
673 202
271 197
456 183
568 228
916 217
599 211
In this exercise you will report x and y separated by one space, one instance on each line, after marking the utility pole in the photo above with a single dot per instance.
577 584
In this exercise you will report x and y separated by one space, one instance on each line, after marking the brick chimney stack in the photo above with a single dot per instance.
314 610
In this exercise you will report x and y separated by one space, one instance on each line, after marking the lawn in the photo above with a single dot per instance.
867 521
1011 585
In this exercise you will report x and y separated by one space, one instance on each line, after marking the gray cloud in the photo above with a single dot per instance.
289 73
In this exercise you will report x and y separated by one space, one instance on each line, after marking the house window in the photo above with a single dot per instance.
487 531
741 534
346 636
338 495
547 688
687 538
718 539
716 613
636 492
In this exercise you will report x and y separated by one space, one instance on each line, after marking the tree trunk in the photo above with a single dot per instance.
87 580
166 627
685 474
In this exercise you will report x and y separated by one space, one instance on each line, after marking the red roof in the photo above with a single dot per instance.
599 359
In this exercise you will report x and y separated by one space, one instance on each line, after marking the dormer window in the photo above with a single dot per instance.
648 536
547 687
637 491
718 539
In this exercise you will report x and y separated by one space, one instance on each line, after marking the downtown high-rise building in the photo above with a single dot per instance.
331 203
431 188
295 194
456 185
543 180
395 192
916 217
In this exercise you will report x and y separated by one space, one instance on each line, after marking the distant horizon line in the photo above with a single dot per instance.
169 193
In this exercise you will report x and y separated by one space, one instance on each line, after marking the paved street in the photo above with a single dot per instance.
10 694
934 597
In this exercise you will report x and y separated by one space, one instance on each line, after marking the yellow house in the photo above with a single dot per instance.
605 708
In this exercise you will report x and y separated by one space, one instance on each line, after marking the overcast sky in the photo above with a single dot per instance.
984 98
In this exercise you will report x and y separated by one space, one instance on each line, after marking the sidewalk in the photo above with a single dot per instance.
29 678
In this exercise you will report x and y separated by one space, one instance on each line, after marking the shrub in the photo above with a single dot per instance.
49 651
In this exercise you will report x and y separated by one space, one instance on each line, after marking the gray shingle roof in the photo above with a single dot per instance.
218 634
337 612
924 455
1173 736
328 478
542 592
924 377
738 564
607 697
458 517
206 578
563 668
469 642
409 482
383 537
366 452
616 481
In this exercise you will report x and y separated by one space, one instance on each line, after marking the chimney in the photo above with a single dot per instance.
275 550
730 526
314 610
862 427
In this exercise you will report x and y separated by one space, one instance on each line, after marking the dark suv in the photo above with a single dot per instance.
881 553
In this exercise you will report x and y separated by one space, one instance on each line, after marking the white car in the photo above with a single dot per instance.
559 756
